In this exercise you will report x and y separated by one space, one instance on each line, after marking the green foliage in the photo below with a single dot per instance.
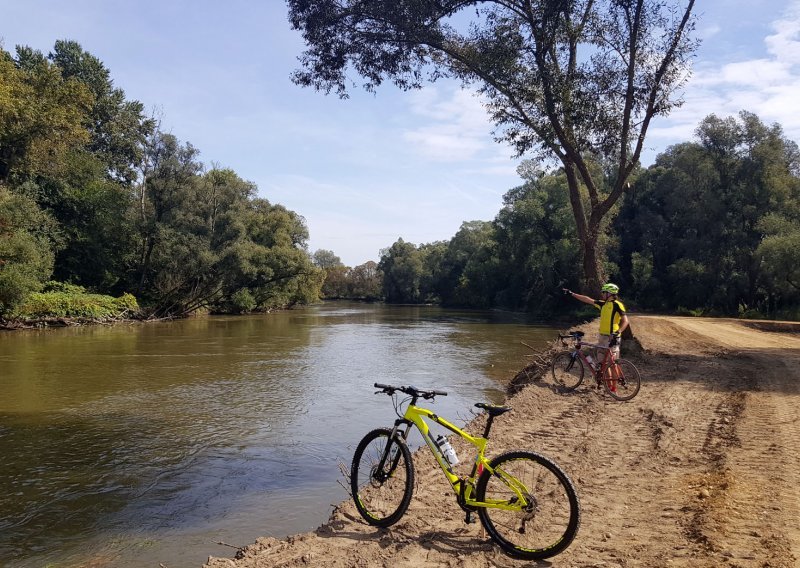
93 194
326 259
204 237
26 248
42 117
242 301
537 247
71 301
681 311
336 283
364 282
117 126
469 267
711 228
780 254
713 224
402 266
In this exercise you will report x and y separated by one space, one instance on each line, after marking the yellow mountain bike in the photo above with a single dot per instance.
526 503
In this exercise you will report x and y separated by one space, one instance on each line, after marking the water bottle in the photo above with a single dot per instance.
447 450
589 359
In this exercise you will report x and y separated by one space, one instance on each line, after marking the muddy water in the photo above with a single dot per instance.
137 444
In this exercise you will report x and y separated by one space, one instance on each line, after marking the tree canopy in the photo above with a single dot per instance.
93 194
573 81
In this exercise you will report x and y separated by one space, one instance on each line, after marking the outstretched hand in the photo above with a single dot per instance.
567 291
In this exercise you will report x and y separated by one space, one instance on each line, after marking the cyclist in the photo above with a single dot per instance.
613 320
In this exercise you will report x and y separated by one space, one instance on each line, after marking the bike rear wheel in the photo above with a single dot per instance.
382 478
624 381
547 525
567 371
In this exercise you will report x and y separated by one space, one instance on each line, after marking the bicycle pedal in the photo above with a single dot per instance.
469 520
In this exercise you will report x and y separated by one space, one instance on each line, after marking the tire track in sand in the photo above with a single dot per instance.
753 500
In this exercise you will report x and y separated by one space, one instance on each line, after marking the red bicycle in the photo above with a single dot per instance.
619 377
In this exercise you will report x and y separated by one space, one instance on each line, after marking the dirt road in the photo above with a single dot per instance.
701 469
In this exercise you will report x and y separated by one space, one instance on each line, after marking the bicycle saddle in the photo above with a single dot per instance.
492 409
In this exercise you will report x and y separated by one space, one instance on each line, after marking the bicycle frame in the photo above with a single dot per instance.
462 487
607 364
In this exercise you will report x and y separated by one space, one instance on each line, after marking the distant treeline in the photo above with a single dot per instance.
712 227
94 194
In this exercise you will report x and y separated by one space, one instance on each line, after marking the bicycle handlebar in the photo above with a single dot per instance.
572 335
409 390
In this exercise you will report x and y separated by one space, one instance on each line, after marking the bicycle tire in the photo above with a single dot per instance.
382 498
549 526
567 371
628 385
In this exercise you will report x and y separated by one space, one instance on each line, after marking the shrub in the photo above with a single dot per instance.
69 301
242 301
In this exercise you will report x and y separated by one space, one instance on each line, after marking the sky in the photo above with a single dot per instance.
373 168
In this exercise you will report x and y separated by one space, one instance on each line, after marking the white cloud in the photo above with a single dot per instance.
756 73
785 43
456 127
767 86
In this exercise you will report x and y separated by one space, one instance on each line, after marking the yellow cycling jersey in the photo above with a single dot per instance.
611 313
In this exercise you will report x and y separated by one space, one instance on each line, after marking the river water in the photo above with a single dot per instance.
135 445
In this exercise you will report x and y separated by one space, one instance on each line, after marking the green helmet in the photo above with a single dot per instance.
610 288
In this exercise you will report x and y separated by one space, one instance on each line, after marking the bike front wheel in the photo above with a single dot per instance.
542 528
567 371
382 478
623 382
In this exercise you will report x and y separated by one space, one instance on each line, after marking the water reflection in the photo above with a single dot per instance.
149 443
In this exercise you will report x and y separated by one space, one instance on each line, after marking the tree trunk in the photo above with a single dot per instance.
588 232
592 275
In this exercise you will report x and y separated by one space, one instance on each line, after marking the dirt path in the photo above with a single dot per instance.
701 469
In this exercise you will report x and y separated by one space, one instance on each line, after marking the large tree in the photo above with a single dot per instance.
571 80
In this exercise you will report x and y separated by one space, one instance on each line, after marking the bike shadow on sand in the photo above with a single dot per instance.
459 543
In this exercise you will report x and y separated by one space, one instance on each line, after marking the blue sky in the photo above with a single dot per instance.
370 169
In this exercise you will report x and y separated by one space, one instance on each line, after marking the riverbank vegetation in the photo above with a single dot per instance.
94 194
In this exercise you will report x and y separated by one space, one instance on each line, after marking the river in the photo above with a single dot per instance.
134 445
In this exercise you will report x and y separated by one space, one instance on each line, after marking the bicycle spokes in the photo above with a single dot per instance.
381 481
532 509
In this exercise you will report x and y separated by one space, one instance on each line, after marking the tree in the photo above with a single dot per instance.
326 259
117 126
780 254
364 281
166 187
92 211
469 267
26 248
572 80
402 265
42 116
536 245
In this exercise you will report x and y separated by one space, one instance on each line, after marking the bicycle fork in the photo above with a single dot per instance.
380 472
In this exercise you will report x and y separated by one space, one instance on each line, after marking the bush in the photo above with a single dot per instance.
242 301
62 300
749 313
696 312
